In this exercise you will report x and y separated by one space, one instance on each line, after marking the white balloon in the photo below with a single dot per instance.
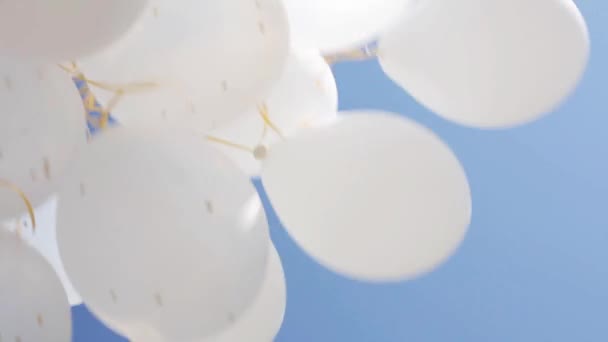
58 30
160 230
44 240
305 94
263 320
197 63
34 306
42 123
260 323
488 64
373 196
336 25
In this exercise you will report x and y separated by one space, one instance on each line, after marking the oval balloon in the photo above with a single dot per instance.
34 306
488 64
60 30
306 93
157 229
337 25
373 196
42 124
261 322
193 63
44 240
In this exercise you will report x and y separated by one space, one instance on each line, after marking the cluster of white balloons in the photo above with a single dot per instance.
158 227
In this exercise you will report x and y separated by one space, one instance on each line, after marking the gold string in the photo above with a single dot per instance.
105 112
26 200
229 143
263 111
264 133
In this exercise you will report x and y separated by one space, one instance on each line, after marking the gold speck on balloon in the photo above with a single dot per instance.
113 296
47 169
261 27
159 300
231 317
8 82
40 320
209 206
155 12
40 74
33 175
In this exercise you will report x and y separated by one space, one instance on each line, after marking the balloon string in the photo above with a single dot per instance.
362 54
105 112
26 200
118 90
263 111
229 143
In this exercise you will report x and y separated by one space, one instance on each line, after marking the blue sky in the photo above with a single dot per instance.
533 267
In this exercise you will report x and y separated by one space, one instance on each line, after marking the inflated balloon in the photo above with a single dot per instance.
44 240
373 196
34 306
159 230
59 30
305 94
488 64
42 123
261 322
336 25
193 63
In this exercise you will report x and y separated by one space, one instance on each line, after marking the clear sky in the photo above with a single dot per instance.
533 267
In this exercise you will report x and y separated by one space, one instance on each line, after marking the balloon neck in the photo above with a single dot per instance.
260 152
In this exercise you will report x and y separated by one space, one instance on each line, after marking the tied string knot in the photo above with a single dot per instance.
118 91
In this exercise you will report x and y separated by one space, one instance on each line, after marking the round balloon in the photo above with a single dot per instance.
373 196
157 229
42 123
59 30
44 240
261 322
34 305
193 63
336 25
488 64
305 94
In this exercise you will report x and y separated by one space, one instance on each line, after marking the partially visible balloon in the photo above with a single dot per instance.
159 230
373 196
261 322
42 123
61 30
44 240
34 306
488 64
337 25
192 63
305 94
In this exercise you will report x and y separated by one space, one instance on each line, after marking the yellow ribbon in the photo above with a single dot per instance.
26 200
